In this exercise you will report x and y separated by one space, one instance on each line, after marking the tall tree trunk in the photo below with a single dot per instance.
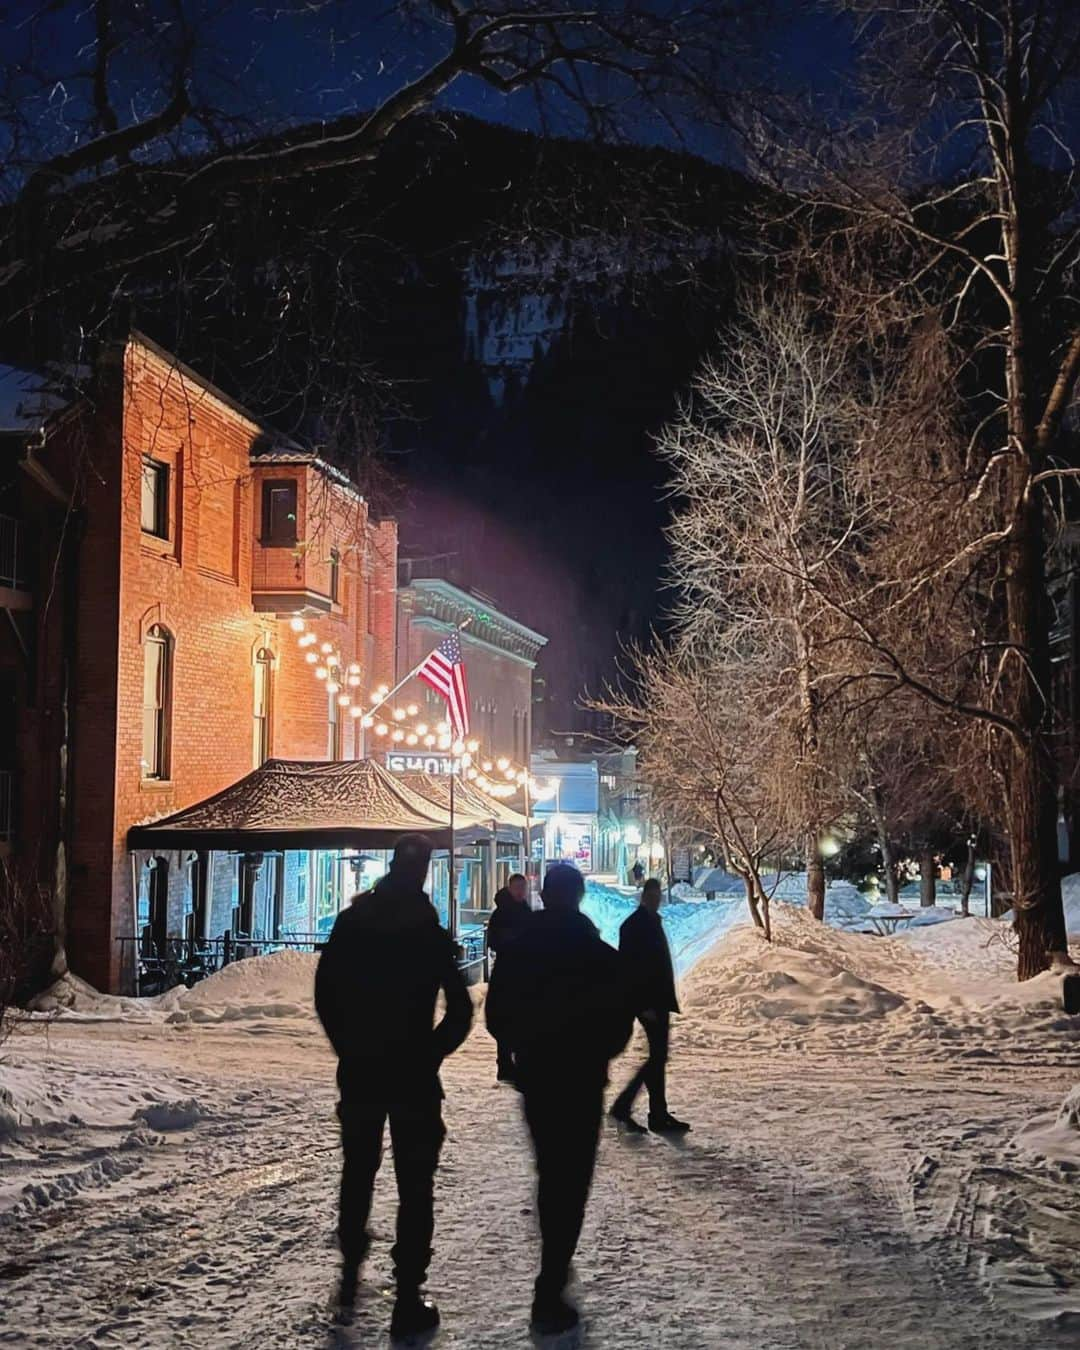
815 878
888 862
1031 808
927 877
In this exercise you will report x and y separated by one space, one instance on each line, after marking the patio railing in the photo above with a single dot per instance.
178 960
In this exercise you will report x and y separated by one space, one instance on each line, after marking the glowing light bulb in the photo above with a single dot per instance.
443 728
411 738
412 709
321 673
429 740
308 640
382 690
356 711
466 759
373 698
297 624
421 728
444 742
326 648
311 657
354 668
473 774
333 686
343 700
486 766
398 735
354 681
502 763
381 729
368 721
472 746
399 714
459 746
510 774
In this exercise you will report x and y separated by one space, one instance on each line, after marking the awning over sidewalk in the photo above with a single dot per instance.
301 804
474 811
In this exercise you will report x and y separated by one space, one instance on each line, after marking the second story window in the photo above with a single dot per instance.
335 576
154 510
157 686
264 675
279 512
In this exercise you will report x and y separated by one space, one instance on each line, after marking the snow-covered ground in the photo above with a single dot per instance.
885 1151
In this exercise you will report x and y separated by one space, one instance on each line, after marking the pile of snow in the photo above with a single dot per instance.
281 984
692 926
938 989
171 1115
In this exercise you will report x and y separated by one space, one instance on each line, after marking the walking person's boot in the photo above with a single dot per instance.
667 1124
552 1313
413 1315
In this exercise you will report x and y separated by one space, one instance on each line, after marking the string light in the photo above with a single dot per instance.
321 673
312 657
296 623
399 714
356 711
381 729
326 648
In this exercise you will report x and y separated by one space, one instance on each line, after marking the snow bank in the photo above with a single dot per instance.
941 989
281 984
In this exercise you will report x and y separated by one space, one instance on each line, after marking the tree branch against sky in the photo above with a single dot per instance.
108 108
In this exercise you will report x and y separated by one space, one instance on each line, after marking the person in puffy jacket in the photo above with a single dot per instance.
376 987
558 998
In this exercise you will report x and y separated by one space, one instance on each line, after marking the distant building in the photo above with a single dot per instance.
500 657
156 541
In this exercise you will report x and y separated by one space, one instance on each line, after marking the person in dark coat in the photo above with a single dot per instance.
637 872
511 914
647 957
376 987
557 997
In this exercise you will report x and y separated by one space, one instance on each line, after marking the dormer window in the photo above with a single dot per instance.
279 512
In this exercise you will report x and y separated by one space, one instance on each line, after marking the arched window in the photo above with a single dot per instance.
157 695
263 705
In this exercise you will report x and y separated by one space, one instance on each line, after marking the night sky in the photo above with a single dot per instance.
550 498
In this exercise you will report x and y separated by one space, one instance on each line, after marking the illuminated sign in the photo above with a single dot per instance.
440 765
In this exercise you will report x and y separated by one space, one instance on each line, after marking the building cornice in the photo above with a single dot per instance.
444 605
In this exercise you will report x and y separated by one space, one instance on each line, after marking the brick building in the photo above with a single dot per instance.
166 538
500 657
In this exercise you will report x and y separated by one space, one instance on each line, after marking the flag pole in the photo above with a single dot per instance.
451 904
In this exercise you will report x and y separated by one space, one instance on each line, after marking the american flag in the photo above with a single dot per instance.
444 671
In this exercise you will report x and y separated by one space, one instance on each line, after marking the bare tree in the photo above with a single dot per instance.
957 174
708 748
26 938
768 513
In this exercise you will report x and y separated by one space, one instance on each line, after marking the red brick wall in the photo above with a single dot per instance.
197 585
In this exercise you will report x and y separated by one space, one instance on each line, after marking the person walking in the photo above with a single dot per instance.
644 948
637 872
376 987
558 999
505 925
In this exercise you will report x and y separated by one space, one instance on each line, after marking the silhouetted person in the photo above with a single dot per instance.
637 872
557 996
505 925
643 946
375 992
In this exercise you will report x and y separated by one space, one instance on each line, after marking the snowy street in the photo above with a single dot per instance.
838 1189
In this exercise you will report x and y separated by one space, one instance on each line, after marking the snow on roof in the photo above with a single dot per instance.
301 804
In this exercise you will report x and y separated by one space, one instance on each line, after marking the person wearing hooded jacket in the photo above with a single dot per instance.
376 987
558 999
